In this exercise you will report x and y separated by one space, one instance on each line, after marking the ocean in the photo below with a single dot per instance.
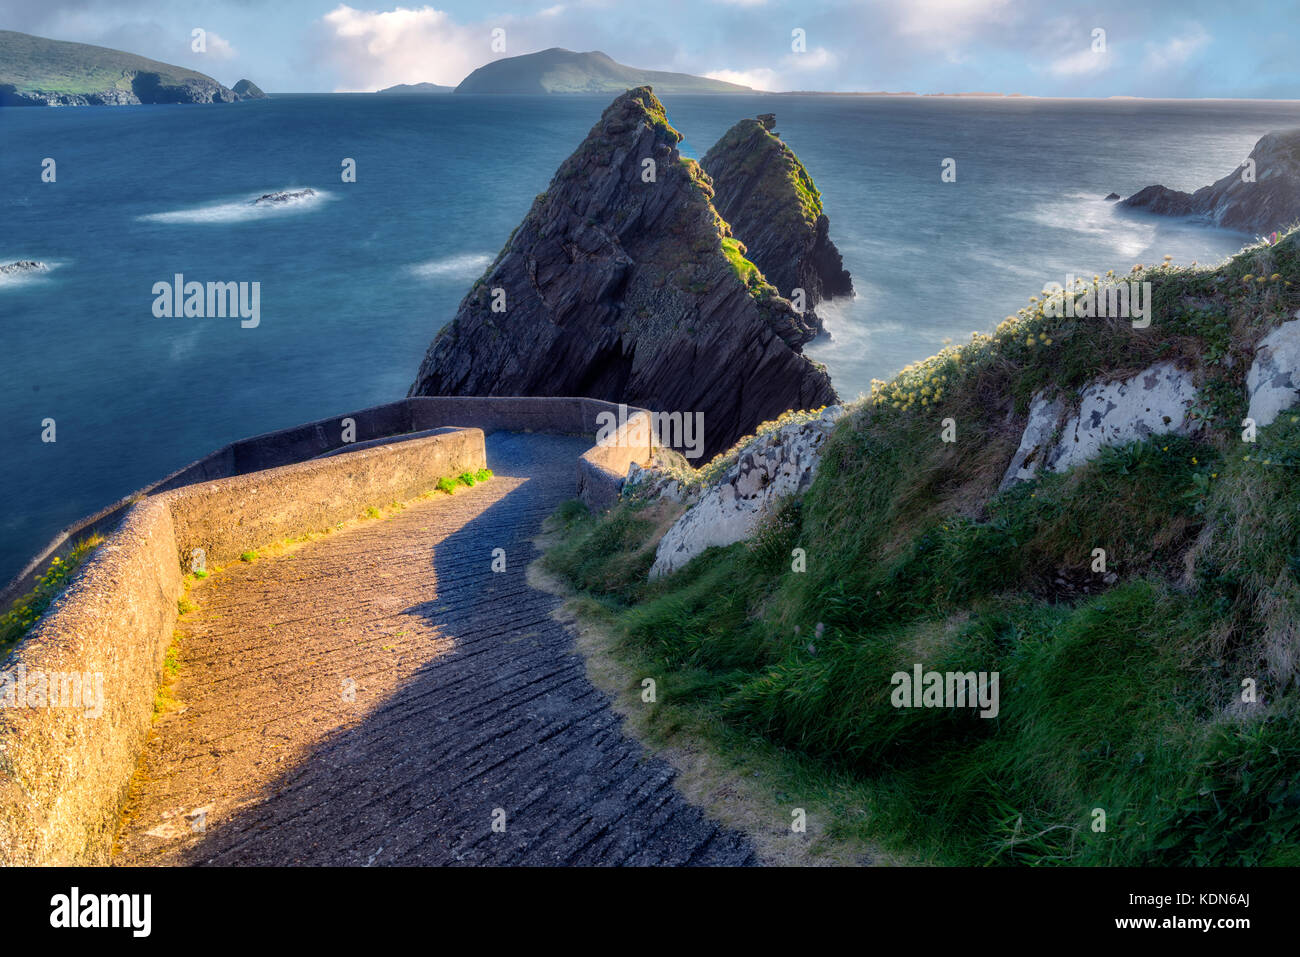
356 281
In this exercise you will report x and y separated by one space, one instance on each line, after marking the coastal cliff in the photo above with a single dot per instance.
765 193
35 71
1259 196
623 283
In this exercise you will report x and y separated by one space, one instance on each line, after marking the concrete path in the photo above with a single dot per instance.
381 696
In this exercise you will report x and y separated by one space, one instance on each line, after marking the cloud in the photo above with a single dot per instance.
1080 63
767 78
760 79
373 49
218 47
1175 51
943 22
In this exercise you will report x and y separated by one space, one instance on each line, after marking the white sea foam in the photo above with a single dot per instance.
242 210
463 266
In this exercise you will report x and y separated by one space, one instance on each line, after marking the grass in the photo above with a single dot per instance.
1121 692
27 610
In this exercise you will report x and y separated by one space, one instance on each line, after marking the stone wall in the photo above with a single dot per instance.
65 765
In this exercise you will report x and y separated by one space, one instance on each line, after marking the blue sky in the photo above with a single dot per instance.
1158 48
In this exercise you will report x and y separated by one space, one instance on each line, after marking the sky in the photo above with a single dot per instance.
1151 48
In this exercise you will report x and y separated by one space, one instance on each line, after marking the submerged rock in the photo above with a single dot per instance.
1261 195
1153 402
1112 196
284 196
623 283
768 469
21 266
765 193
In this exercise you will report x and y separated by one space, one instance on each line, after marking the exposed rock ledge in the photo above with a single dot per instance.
1153 402
1271 202
767 469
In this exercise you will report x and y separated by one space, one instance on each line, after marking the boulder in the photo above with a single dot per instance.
1153 402
781 463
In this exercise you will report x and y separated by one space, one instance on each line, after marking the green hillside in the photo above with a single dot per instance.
30 64
1163 695
562 71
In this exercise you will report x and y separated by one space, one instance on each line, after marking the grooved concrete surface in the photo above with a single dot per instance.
375 696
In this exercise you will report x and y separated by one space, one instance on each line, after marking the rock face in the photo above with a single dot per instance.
283 196
248 90
618 288
769 468
774 208
1273 382
21 266
1270 202
1153 402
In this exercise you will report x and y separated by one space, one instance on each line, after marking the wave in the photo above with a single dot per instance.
242 210
463 266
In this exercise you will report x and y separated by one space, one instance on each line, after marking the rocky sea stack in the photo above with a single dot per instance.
767 196
623 283
248 90
1259 196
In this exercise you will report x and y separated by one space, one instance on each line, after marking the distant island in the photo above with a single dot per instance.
418 88
35 71
562 71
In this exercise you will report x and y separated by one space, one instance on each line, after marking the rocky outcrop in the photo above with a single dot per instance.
1273 382
768 469
22 266
248 90
765 193
283 196
1153 402
623 283
1260 196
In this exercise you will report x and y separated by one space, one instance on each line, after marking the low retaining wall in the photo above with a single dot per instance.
64 770
81 686
576 416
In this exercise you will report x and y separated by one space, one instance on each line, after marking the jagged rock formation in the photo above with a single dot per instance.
768 469
1270 202
631 291
248 90
767 196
